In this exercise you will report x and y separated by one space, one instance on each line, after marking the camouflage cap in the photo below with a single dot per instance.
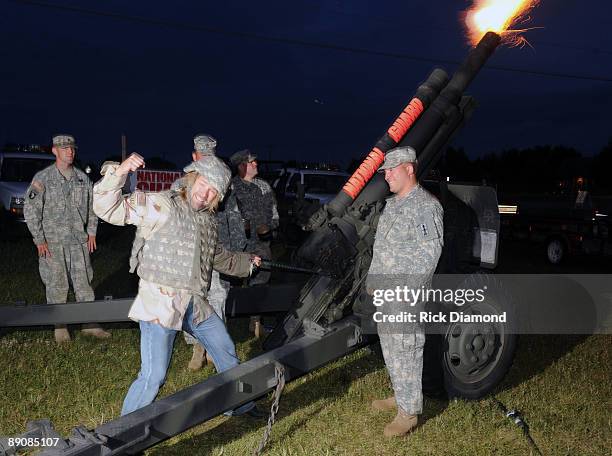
64 140
214 170
204 144
397 156
242 156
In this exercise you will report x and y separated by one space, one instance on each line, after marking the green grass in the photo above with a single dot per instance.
561 384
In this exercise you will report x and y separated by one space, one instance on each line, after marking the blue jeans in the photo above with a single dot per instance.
156 344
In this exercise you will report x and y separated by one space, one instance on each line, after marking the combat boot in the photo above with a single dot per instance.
384 405
95 331
61 334
254 323
198 358
402 424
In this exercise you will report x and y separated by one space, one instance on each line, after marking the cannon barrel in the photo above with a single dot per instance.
434 104
436 125
441 108
424 96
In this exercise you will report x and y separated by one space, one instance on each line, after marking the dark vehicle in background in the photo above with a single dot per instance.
320 185
16 172
268 170
300 192
561 225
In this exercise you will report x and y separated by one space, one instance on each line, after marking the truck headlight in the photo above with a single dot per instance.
17 206
17 201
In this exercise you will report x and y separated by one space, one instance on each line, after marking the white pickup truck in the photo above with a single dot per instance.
16 172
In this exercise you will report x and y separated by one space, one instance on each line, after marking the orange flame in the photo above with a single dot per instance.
497 16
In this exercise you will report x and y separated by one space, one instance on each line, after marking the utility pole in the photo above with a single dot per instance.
123 147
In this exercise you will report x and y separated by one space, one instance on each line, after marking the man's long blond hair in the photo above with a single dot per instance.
188 181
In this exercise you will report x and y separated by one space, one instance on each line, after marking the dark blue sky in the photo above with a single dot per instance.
97 76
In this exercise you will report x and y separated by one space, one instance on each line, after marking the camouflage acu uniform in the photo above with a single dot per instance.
174 264
231 236
58 211
257 205
168 256
230 232
408 243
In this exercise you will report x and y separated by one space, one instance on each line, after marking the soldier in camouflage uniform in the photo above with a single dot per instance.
257 205
174 264
231 236
407 246
58 212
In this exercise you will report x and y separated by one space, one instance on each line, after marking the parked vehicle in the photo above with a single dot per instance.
16 172
320 185
300 192
563 226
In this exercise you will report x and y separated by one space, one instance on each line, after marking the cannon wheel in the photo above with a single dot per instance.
477 356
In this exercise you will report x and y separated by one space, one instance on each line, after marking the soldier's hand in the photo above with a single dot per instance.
43 250
256 260
91 243
132 163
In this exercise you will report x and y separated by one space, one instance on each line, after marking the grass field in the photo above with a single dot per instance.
561 384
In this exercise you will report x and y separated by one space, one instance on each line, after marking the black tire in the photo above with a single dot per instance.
477 356
555 250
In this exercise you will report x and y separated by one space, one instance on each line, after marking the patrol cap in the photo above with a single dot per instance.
242 156
214 170
64 140
397 156
204 144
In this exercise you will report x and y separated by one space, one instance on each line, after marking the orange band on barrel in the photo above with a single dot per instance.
405 120
362 175
376 157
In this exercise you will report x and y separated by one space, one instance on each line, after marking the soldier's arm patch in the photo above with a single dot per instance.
426 229
36 188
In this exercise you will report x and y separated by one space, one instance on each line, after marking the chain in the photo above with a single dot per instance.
279 375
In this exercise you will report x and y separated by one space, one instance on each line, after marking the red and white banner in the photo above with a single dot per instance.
151 180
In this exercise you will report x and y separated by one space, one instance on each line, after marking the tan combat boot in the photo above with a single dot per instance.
254 323
61 334
198 359
401 425
384 405
95 331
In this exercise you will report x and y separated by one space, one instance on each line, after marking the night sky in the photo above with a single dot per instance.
250 74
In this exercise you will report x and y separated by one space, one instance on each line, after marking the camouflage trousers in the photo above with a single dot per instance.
217 294
403 354
69 263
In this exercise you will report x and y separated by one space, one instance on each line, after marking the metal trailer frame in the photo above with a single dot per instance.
174 414
240 302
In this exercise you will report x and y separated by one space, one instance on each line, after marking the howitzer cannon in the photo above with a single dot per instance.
343 235
321 325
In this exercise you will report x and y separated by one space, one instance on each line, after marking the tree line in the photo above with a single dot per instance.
540 169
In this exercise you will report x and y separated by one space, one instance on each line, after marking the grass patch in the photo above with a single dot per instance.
561 384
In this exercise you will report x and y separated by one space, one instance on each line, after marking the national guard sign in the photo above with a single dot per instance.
150 180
